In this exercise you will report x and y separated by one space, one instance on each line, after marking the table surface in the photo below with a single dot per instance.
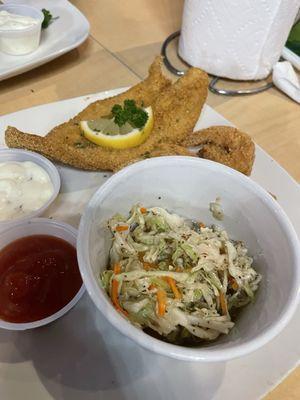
125 36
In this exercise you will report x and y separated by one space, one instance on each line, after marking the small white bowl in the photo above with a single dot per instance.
21 41
40 226
186 185
16 155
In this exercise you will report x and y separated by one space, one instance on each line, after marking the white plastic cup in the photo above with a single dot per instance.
21 41
186 186
40 226
16 155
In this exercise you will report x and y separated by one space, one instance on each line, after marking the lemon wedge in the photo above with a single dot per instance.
106 133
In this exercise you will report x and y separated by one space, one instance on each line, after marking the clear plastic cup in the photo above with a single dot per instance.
21 41
40 226
17 155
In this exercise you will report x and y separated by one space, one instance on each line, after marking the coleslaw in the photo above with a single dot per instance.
176 279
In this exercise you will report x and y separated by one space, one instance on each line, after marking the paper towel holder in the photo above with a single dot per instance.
213 82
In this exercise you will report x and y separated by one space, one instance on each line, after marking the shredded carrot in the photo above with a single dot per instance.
121 228
114 295
233 283
143 210
201 224
223 303
115 289
117 268
177 269
147 266
151 287
173 286
161 302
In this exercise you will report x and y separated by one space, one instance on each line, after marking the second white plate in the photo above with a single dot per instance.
63 35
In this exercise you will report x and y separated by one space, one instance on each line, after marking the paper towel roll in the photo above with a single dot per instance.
236 39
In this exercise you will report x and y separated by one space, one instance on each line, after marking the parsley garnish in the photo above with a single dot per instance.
48 18
135 116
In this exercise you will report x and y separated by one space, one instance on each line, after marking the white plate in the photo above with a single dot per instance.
63 35
82 356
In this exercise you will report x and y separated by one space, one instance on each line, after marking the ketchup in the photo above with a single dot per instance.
39 275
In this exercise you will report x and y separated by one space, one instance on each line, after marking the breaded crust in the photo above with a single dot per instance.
226 145
176 109
165 149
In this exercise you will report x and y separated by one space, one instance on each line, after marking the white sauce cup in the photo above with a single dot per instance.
16 155
21 41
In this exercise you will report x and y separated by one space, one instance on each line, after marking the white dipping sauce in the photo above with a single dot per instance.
24 187
9 22
19 34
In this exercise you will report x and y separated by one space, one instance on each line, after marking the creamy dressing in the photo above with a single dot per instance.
19 34
24 187
216 209
15 22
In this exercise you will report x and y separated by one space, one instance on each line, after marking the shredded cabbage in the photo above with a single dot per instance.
177 278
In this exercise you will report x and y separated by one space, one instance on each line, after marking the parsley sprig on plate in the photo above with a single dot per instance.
131 113
48 18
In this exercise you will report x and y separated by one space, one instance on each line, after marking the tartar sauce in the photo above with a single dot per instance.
10 21
24 187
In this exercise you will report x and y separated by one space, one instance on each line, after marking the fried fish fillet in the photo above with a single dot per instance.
164 149
176 109
226 145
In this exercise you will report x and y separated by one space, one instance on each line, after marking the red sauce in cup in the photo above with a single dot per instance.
39 275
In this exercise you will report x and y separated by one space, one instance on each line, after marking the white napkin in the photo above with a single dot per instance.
234 38
286 79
